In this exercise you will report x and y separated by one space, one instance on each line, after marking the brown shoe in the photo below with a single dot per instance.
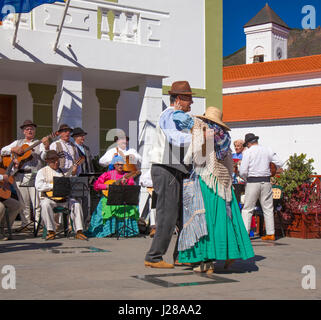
160 264
152 232
270 237
80 235
51 235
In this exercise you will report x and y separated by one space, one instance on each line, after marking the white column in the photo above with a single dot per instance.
151 107
151 93
91 119
68 100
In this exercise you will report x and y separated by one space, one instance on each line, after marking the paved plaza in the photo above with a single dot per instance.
108 268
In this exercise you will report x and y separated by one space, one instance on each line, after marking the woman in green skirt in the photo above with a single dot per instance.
225 237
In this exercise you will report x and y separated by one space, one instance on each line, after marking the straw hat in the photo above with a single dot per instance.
214 114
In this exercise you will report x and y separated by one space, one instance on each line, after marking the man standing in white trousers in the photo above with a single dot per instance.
255 170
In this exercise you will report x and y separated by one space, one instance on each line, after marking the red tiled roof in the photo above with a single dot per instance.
277 104
272 69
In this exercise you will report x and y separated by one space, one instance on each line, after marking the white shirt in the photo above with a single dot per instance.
106 159
146 179
69 153
44 179
256 162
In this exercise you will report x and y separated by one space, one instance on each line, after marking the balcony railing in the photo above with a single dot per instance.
99 20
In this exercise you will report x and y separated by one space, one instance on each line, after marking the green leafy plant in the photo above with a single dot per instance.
299 170
300 194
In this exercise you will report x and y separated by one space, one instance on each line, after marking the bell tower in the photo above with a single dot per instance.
266 37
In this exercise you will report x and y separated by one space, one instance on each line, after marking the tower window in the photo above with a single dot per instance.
258 58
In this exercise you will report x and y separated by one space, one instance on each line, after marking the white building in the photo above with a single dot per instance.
115 63
279 99
266 37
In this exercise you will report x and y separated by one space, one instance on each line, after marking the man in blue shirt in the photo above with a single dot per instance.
168 170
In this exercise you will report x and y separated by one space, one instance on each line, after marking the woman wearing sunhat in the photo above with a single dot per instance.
226 238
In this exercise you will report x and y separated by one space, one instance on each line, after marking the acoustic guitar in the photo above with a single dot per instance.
132 174
27 152
5 187
49 194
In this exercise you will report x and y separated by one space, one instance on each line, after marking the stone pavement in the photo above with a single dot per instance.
113 269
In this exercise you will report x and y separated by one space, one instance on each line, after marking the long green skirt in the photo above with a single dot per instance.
108 220
227 237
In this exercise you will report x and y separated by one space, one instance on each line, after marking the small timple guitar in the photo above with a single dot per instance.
5 187
49 194
132 174
27 153
128 167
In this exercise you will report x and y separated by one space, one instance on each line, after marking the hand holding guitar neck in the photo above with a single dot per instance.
73 170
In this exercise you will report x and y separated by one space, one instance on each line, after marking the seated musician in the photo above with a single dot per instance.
107 220
12 205
44 183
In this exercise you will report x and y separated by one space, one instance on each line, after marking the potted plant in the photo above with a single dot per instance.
301 201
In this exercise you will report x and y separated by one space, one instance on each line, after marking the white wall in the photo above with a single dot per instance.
90 119
287 139
186 38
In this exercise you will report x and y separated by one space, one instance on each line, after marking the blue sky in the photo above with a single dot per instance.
236 13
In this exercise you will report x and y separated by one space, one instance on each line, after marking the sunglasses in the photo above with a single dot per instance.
118 164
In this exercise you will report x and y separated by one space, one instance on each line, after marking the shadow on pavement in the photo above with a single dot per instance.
239 266
18 246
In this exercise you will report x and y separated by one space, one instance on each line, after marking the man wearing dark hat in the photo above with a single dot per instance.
27 195
44 183
168 171
67 148
78 134
255 170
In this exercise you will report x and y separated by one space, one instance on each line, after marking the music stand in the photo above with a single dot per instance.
123 195
80 191
61 187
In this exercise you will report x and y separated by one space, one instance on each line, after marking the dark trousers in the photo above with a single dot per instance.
167 183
